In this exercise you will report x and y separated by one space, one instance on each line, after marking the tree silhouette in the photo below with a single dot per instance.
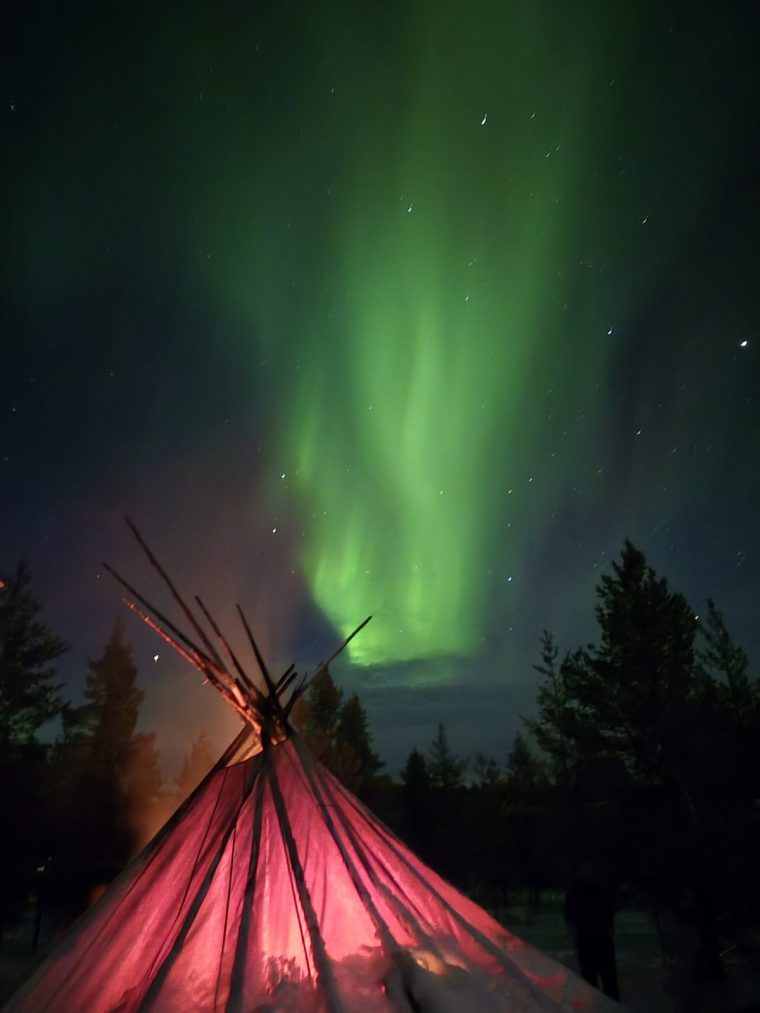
485 771
555 728
726 664
445 768
106 723
28 696
645 718
324 699
338 733
110 775
415 776
353 731
632 690
415 780
524 772
199 762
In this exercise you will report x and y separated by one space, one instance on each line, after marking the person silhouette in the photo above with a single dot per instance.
590 910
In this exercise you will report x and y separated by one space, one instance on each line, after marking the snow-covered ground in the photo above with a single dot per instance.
647 985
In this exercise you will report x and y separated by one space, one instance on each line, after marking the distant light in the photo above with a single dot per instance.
609 331
509 580
696 617
645 219
743 344
410 209
155 657
282 475
274 531
483 121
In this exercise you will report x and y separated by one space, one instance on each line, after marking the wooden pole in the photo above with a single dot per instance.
247 683
175 593
323 664
161 618
257 652
200 664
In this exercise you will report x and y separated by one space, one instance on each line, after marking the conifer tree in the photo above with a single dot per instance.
555 729
642 717
353 731
415 776
486 773
107 721
338 734
28 698
324 699
28 695
445 768
633 689
724 662
113 771
524 774
199 762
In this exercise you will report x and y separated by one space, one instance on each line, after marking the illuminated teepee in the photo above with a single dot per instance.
273 888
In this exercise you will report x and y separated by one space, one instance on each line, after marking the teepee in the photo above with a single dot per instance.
273 888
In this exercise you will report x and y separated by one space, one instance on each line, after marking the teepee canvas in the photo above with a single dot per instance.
274 888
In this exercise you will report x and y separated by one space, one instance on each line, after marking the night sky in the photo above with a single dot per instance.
412 309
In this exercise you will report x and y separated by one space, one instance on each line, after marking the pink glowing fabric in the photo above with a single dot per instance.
273 888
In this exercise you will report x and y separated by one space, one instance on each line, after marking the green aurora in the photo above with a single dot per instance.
491 218
428 236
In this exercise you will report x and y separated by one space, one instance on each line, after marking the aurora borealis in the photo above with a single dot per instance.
421 307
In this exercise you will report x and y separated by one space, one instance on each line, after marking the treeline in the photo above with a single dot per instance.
642 764
77 803
82 795
641 761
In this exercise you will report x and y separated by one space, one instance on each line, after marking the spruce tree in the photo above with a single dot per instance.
324 700
112 771
486 773
418 806
353 731
109 719
196 766
28 694
524 773
444 767
415 776
28 698
338 734
634 687
556 728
